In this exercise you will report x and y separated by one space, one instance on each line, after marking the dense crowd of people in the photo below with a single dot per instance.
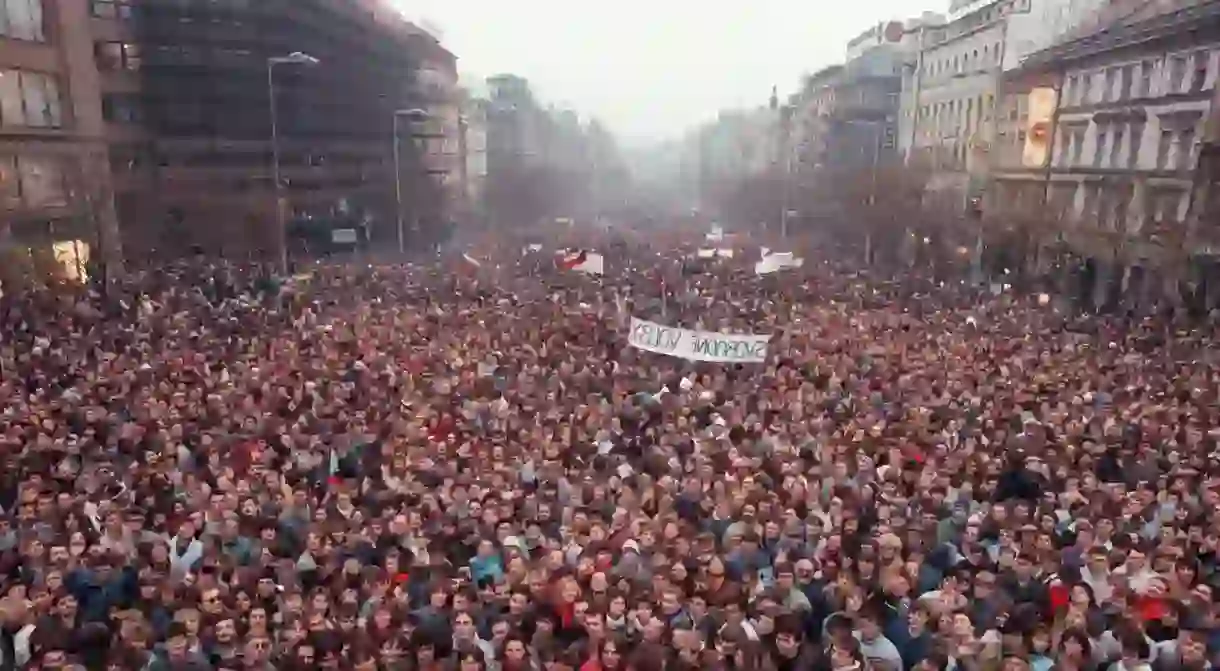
450 466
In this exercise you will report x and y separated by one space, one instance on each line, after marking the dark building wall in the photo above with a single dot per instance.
864 125
189 124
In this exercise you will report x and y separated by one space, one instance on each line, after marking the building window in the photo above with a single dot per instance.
10 183
1145 86
29 99
33 181
1177 75
1126 82
1122 208
42 181
1101 86
1198 73
1092 203
1186 149
121 108
111 9
22 20
1137 139
1116 148
1109 84
1077 145
1163 150
118 56
1103 151
1165 204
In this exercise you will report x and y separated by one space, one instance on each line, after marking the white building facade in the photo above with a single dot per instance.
1128 118
953 84
474 151
1128 127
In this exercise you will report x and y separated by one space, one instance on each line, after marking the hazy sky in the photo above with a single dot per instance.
654 68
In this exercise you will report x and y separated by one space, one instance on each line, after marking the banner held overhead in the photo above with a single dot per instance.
697 345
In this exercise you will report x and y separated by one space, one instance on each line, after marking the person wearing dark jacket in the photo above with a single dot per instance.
792 652
1018 482
101 588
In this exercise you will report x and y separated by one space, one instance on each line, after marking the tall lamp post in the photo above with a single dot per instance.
294 58
414 114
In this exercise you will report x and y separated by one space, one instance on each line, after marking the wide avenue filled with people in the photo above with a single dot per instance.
633 455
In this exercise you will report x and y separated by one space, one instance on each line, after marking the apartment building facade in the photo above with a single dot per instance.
847 116
439 137
474 151
1130 119
956 79
954 83
54 181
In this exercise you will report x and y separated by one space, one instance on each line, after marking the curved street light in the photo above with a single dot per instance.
294 58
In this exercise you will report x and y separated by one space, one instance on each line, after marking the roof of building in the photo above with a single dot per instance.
821 77
1123 23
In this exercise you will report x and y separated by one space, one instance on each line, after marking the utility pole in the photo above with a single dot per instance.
785 154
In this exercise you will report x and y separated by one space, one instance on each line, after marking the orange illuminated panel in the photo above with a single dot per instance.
1041 111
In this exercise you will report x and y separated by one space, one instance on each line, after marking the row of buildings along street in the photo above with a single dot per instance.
1081 133
144 130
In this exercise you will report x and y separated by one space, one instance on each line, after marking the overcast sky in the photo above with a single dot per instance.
653 68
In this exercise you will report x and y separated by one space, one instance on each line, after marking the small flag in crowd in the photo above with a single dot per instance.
584 262
574 260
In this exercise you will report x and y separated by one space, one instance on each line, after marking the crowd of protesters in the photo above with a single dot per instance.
465 467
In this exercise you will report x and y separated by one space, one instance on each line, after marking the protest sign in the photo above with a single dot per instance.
697 345
773 263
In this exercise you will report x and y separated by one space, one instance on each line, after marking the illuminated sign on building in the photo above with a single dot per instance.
1041 114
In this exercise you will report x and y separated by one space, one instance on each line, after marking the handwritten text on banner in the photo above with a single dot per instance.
697 345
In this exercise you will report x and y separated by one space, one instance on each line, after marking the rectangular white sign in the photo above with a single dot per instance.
772 263
343 236
697 345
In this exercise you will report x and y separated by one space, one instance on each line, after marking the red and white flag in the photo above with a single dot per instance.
584 262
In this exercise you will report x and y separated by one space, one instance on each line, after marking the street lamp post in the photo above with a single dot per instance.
414 114
294 58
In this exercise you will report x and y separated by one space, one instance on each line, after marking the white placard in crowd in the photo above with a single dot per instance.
595 264
773 263
697 345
